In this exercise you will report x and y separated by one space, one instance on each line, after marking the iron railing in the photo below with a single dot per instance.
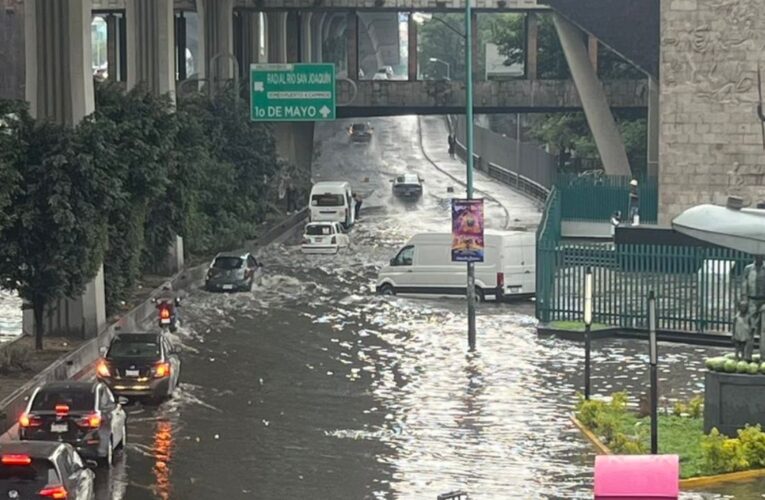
597 197
696 287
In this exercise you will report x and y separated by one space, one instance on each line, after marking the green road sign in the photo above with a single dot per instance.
292 92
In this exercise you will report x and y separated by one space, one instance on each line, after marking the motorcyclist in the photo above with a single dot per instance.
168 298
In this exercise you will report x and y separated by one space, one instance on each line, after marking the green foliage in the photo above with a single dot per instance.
509 33
722 454
11 148
55 235
628 445
752 441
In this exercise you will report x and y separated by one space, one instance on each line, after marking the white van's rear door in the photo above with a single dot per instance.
514 266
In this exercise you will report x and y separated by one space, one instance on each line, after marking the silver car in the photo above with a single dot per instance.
231 271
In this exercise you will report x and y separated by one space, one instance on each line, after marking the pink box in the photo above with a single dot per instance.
636 477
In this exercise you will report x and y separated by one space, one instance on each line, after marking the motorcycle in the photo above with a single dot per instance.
168 320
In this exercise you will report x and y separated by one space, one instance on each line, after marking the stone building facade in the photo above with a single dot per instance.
712 141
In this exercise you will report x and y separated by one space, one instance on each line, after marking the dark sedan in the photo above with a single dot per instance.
30 469
408 187
83 414
360 132
143 365
233 271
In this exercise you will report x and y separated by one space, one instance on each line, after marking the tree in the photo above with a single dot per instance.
11 148
509 34
55 240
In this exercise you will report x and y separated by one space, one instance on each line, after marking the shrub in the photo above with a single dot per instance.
752 440
695 406
627 445
722 454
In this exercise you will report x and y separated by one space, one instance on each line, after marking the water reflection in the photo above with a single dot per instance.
163 452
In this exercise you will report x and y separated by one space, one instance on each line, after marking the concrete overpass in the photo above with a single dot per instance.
45 49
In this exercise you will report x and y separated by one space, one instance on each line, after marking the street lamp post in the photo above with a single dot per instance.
448 66
587 326
469 147
653 355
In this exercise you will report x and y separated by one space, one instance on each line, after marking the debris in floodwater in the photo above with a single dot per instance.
266 422
217 436
212 360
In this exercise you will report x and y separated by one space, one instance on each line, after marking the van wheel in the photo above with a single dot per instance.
387 289
479 297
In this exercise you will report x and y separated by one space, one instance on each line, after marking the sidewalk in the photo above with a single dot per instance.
523 212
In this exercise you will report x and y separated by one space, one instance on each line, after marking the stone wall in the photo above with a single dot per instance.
711 143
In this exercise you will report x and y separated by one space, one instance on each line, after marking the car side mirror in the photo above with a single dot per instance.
122 400
103 350
393 262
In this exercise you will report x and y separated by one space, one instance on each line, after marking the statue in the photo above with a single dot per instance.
743 335
753 293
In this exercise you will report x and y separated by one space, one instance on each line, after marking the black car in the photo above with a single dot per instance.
43 470
142 365
360 132
83 414
407 186
231 271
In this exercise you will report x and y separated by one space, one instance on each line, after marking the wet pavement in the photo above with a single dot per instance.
313 387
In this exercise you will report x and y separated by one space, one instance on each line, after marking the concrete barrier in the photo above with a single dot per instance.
81 361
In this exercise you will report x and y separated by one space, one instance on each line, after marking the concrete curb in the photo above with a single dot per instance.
82 360
685 484
676 337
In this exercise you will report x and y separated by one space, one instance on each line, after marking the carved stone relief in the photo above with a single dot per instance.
706 56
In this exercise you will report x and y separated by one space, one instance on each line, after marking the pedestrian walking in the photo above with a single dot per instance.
452 144
357 205
292 203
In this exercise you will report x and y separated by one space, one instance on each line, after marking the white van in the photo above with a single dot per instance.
332 202
424 267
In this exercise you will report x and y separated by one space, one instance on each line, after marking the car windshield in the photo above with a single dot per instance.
228 263
318 230
328 200
407 179
145 349
358 127
76 400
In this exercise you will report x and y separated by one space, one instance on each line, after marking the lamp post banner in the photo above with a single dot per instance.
467 230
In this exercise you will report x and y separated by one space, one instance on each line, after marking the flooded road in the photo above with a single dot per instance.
313 387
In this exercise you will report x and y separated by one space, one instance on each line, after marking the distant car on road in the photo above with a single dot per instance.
43 470
324 237
140 365
407 186
231 271
83 414
360 132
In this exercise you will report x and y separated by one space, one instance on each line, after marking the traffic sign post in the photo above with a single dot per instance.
292 92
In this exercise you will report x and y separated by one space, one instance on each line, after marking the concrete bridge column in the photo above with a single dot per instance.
592 51
601 121
317 25
412 42
293 37
59 87
277 37
352 45
247 40
532 45
216 18
151 45
306 34
653 127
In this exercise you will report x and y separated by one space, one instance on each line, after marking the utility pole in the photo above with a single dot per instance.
653 355
469 147
587 326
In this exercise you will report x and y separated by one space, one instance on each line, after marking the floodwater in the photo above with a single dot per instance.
313 387
10 316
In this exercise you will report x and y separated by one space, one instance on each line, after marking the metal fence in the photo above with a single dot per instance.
528 161
596 197
696 287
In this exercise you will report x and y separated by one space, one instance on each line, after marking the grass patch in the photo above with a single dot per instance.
682 434
575 326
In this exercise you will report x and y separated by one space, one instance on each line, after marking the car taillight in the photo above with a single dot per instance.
54 492
62 410
164 313
501 280
102 369
16 460
29 421
161 370
93 421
